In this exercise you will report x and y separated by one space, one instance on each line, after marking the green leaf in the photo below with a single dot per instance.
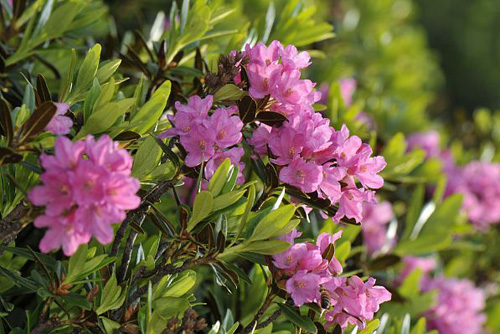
420 327
61 19
181 285
95 264
147 158
107 69
410 288
76 263
371 327
229 92
298 320
111 296
273 222
269 247
106 94
202 207
102 119
38 121
88 70
424 244
219 178
109 325
414 209
342 252
151 111
225 200
168 307
444 217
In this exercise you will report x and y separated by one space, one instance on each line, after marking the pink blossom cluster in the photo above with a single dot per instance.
311 155
209 137
478 181
275 71
374 227
86 187
459 304
309 274
314 157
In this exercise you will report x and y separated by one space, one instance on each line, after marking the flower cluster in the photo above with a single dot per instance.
315 158
60 124
207 137
375 219
478 181
308 272
275 71
458 308
459 303
312 155
86 188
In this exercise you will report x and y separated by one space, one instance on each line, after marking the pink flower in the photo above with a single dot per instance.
330 185
479 182
428 141
293 60
365 167
227 128
286 145
262 79
63 232
325 239
304 287
458 309
199 144
290 89
60 124
195 112
262 55
375 219
86 188
289 259
235 155
305 175
291 236
66 155
355 301
260 138
351 204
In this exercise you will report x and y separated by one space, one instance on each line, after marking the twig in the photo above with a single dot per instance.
260 313
10 230
151 197
127 254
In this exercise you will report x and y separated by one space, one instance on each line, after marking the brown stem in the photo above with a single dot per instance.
8 229
138 214
260 313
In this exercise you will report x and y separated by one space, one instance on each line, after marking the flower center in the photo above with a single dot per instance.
300 174
300 284
221 134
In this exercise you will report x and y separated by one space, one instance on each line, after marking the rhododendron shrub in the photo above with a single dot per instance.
175 168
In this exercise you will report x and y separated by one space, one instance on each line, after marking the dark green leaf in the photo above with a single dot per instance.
42 89
247 108
37 121
298 320
270 118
